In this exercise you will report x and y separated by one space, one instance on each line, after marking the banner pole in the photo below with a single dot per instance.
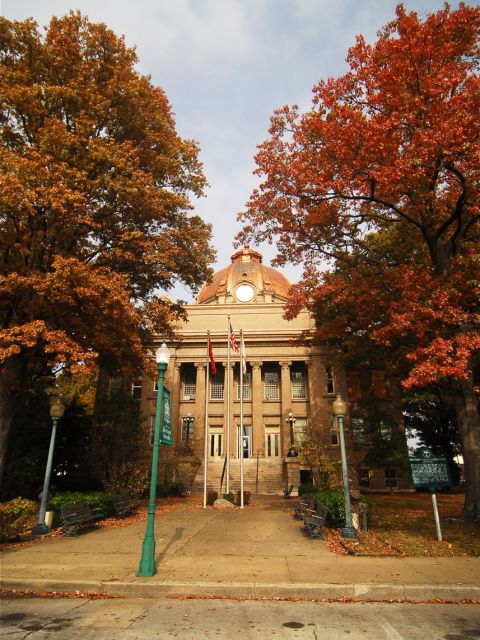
227 457
205 445
240 442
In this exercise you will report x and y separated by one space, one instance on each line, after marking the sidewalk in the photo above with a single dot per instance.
258 551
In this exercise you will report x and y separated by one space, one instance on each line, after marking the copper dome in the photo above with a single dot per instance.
246 269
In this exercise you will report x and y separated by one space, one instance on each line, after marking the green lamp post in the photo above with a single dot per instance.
339 409
57 409
148 565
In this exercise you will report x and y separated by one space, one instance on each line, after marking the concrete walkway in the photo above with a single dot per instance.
258 551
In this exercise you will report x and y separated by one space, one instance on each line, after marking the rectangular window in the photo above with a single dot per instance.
247 387
329 380
189 385
364 478
300 430
272 385
353 385
188 429
137 388
334 437
216 388
391 479
379 384
358 430
299 387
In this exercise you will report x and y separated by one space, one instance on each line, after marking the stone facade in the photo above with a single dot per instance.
290 385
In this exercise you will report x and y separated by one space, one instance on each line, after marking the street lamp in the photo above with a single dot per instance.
148 565
292 452
57 409
339 408
187 421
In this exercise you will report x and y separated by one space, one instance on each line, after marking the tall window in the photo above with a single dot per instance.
137 388
247 387
329 381
358 430
189 385
216 388
299 386
364 478
188 429
272 385
391 478
300 430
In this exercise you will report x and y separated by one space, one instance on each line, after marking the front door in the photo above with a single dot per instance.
215 444
244 444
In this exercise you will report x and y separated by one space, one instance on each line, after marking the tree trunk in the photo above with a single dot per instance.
11 385
468 419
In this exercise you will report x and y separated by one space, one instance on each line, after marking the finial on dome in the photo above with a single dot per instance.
246 255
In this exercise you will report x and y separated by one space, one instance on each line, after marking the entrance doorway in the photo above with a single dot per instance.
215 448
244 444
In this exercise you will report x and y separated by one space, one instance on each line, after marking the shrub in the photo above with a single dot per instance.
211 497
229 497
306 487
16 516
94 499
335 502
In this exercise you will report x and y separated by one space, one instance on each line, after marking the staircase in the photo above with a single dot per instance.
271 477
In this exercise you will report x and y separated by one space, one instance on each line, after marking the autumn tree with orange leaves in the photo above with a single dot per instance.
95 200
380 181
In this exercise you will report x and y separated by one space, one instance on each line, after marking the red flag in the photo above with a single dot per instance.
213 366
233 341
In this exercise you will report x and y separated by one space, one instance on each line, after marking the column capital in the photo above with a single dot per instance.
177 365
200 365
225 364
256 365
285 364
308 362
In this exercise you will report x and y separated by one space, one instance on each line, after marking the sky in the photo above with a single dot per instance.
225 66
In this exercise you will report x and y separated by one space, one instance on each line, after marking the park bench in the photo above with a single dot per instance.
314 520
287 493
78 514
306 502
124 505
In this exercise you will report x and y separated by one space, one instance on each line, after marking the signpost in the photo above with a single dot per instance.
431 472
166 425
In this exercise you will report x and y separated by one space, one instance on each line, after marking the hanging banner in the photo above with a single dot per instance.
166 431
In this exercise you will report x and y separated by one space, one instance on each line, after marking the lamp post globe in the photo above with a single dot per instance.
57 409
339 408
148 565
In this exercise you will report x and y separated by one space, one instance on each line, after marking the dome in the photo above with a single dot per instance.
245 280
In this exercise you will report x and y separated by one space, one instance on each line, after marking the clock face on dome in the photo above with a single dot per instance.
244 293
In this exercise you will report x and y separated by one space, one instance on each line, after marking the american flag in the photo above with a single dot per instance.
233 341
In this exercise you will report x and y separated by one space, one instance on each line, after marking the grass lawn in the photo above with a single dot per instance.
406 524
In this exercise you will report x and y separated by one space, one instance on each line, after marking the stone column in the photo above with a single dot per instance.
199 412
175 402
258 440
286 404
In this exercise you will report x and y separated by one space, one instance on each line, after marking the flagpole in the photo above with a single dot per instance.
227 459
240 444
205 447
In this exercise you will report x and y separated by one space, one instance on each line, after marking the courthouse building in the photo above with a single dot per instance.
289 387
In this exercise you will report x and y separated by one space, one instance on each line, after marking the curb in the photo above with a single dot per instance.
142 589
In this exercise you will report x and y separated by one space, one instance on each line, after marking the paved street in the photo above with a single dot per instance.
132 619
